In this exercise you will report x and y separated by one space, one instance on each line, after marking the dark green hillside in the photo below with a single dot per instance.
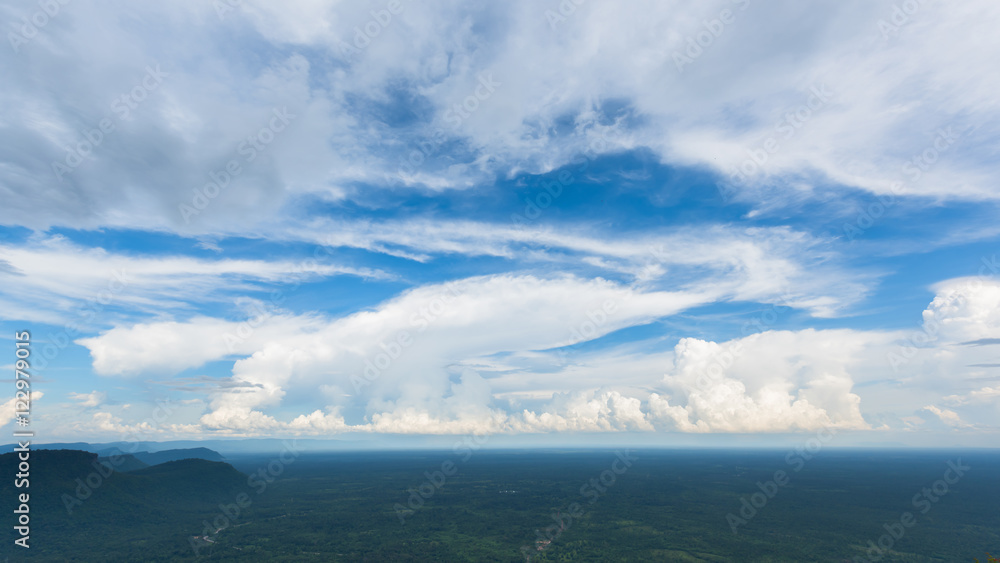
500 506
155 458
144 515
124 463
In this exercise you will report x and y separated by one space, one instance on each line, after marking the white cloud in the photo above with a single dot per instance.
428 328
330 423
947 416
480 356
604 80
952 344
756 264
92 399
171 347
965 309
882 112
109 423
9 409
102 280
606 70
767 382
594 411
981 395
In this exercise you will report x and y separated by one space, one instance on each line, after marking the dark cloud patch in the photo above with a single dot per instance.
982 342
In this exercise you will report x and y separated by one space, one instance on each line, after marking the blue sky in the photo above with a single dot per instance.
535 220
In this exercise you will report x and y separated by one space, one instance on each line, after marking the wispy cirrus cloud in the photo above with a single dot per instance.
146 284
361 115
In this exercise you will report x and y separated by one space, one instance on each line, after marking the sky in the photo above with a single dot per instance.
647 221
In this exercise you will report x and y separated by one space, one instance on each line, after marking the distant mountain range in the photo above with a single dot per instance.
156 458
138 449
126 460
226 447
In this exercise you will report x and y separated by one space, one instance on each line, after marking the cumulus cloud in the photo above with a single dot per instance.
397 356
981 395
401 363
171 347
486 354
767 382
109 423
9 409
595 411
317 421
965 309
947 416
937 353
92 399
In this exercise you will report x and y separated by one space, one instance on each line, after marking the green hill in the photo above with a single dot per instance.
147 514
124 463
155 458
